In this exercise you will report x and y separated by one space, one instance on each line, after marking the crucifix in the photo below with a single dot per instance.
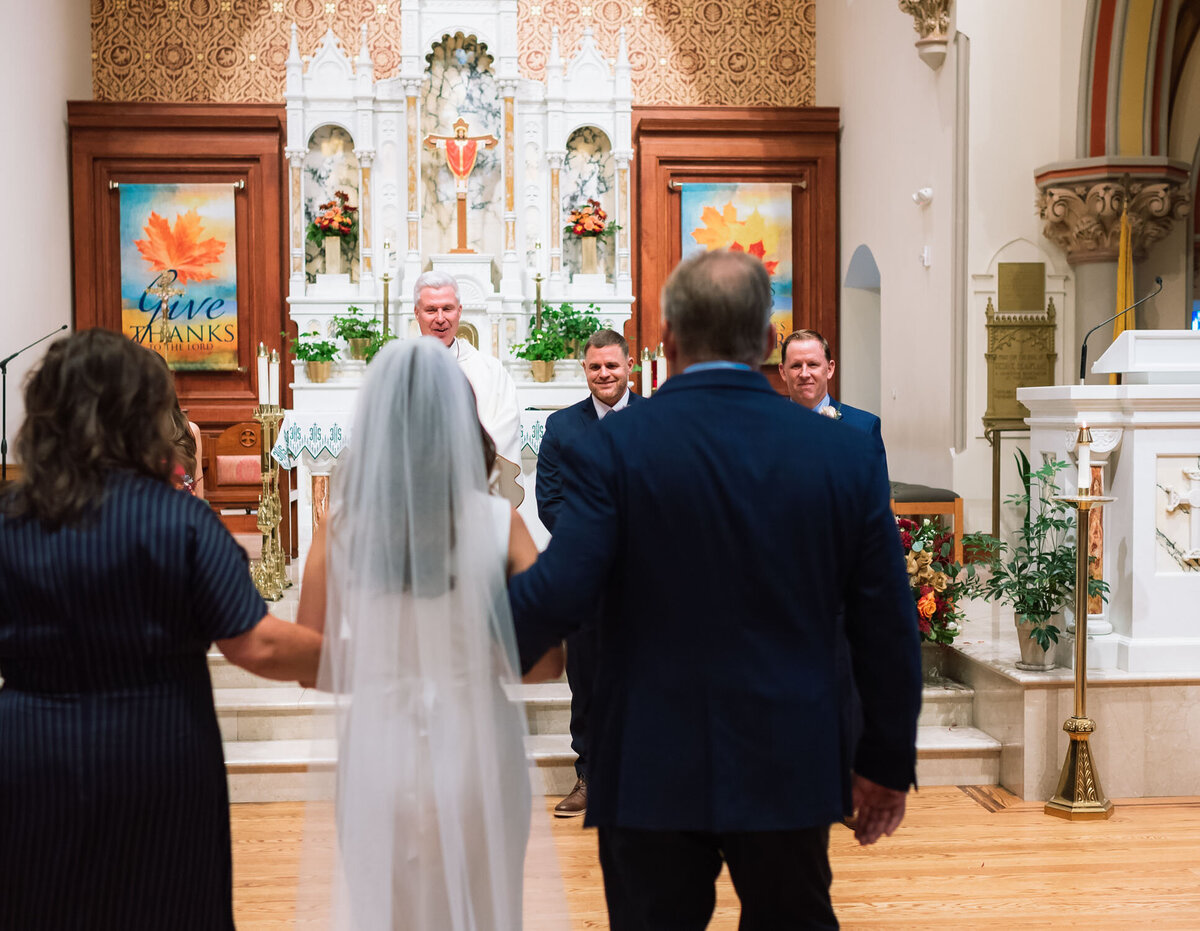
163 287
461 151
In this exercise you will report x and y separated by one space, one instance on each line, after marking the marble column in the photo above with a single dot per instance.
624 279
366 252
510 272
295 159
1105 442
555 160
412 259
1081 203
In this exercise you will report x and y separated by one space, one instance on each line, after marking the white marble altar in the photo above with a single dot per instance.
1148 428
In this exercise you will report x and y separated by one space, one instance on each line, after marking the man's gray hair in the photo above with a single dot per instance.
719 307
434 279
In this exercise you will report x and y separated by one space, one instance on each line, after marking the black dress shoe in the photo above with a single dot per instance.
574 804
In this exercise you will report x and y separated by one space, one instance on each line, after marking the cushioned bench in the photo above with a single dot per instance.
924 501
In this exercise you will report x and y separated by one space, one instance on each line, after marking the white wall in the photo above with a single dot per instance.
899 130
47 63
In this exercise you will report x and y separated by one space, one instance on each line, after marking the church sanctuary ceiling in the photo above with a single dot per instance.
681 52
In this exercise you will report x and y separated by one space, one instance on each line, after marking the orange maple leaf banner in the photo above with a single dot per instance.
751 218
183 274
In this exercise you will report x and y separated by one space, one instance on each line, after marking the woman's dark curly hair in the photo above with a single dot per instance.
97 403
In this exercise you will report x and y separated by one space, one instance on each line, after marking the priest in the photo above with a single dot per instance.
438 310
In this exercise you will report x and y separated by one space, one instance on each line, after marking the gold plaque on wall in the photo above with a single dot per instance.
1020 354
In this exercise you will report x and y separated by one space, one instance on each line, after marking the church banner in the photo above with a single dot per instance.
178 251
753 218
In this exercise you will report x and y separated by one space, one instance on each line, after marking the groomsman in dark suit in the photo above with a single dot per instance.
806 367
606 364
724 529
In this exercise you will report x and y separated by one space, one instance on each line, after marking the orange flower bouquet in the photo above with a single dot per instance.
337 218
590 220
933 577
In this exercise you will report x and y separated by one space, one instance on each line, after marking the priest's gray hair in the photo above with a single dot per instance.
434 279
718 305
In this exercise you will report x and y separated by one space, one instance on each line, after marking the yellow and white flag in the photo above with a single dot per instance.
1124 287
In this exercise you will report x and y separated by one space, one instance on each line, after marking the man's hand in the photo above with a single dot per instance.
878 810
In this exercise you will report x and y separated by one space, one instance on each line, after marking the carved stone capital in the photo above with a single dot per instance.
931 18
1105 440
1081 206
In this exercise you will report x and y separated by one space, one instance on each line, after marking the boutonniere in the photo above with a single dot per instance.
830 411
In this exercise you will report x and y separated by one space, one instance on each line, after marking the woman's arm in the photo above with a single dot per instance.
311 612
522 553
198 478
275 649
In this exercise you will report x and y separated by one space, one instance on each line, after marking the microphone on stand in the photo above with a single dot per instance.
1083 346
4 401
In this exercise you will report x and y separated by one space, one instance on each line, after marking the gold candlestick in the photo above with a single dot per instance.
268 572
1079 796
537 306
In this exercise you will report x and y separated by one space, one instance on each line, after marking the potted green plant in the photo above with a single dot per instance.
317 355
543 348
574 326
377 342
356 330
1035 573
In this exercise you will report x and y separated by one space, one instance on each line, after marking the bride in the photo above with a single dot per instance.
433 795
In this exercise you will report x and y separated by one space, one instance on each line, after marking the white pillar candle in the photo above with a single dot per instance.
273 379
647 373
1083 456
660 362
262 374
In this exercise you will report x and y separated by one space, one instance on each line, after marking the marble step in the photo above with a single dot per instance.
272 714
298 770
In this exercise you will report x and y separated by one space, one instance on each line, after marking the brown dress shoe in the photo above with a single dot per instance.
574 804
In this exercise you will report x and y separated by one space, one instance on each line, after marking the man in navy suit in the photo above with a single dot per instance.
806 366
606 365
724 529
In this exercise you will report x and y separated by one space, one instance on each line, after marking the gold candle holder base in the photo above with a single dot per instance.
1079 796
268 571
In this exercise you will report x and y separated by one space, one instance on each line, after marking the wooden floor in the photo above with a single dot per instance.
964 858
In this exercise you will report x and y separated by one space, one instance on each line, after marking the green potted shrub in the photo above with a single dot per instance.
377 342
356 330
1035 573
543 348
317 355
574 326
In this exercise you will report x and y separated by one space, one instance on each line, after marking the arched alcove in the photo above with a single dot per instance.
860 354
589 172
329 167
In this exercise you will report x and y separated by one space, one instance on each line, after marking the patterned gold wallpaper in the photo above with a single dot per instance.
682 52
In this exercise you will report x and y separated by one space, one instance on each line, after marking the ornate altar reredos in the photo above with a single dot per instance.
538 150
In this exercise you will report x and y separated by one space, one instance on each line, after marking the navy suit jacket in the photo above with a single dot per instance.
867 422
561 428
724 528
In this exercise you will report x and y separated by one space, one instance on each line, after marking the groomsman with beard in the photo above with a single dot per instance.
606 364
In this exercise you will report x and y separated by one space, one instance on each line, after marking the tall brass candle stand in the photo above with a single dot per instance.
1079 796
386 279
268 572
537 305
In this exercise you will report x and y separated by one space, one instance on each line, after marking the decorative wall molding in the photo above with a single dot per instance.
1081 204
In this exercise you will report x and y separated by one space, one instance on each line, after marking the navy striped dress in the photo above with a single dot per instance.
114 810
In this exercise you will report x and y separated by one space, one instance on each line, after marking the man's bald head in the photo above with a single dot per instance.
718 306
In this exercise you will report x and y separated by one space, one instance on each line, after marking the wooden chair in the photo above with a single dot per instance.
923 501
233 476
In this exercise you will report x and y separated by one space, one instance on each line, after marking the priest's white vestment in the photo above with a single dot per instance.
499 411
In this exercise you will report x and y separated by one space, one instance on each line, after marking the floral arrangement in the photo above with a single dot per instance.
590 220
933 577
337 218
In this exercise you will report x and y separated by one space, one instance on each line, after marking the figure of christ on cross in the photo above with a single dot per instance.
461 151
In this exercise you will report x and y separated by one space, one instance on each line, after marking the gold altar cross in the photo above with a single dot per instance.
461 151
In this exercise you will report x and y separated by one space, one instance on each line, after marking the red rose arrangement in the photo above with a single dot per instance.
590 220
933 577
337 218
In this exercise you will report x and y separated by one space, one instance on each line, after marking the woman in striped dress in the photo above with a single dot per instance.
113 800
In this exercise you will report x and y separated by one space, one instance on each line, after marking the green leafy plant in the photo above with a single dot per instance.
574 326
378 341
353 325
544 345
1035 573
308 347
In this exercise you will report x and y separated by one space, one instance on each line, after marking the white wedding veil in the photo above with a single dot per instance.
432 797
